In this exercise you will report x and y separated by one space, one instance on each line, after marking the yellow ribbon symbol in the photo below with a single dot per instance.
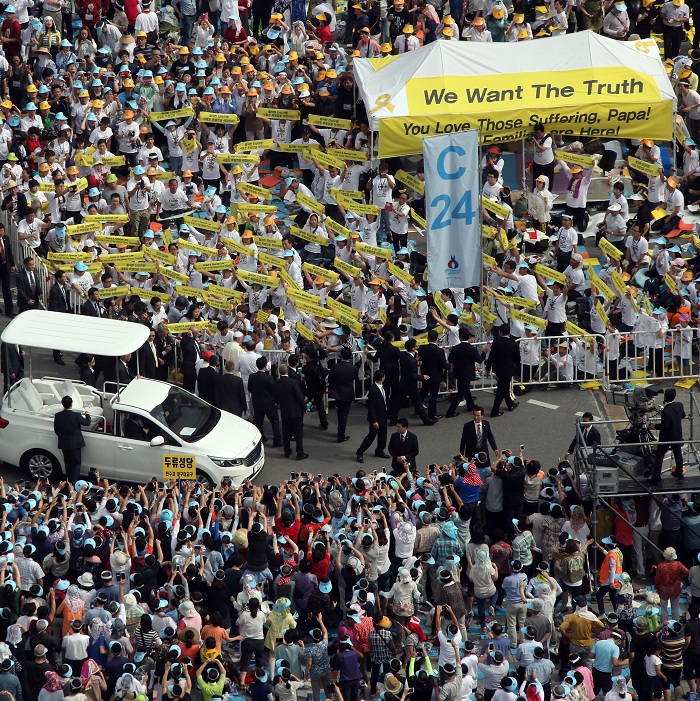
642 46
382 101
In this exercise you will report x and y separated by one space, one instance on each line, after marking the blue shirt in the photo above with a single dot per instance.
605 652
467 492
511 587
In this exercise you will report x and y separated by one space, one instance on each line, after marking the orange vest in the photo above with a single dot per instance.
605 569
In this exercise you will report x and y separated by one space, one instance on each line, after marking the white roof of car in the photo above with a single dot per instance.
74 333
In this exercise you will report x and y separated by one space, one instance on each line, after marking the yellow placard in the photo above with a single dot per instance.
601 287
83 228
203 224
503 239
419 220
523 302
254 190
258 279
271 113
117 240
175 276
306 307
440 304
528 319
308 236
209 265
238 247
261 317
400 273
46 187
268 242
246 208
225 292
107 219
297 148
608 248
165 176
658 213
189 291
578 158
647 305
348 194
357 207
467 319
162 296
329 122
259 145
574 330
246 158
296 293
160 256
348 154
179 467
288 279
488 260
119 291
309 203
171 114
303 331
167 237
325 159
338 229
670 282
495 208
216 302
489 232
602 313
201 250
215 118
72 257
618 283
643 166
270 260
678 133
117 259
376 251
342 308
347 268
318 271
547 272
487 317
411 180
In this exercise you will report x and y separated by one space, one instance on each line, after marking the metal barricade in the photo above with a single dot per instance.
644 355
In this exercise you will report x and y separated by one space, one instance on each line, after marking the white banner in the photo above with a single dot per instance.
451 205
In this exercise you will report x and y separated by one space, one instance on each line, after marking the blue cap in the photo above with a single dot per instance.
402 251
674 249
201 74
209 90
80 266
65 42
197 51
61 116
43 90
36 24
93 192
689 142
30 106
96 83
192 91
325 587
139 170
339 332
78 85
181 87
10 9
420 292
103 50
279 67
300 81
221 209
215 81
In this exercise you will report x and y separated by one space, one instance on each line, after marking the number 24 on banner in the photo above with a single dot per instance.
462 210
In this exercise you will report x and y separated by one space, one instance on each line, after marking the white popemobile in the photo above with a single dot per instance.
223 445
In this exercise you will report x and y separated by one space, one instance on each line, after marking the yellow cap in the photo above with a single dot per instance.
293 56
498 13
321 17
220 57
447 32
236 170
231 220
83 93
97 104
183 50
286 90
141 34
32 88
448 19
678 3
128 83
269 85
408 29
254 50
386 48
648 142
672 181
522 34
518 18
158 80
236 70
72 171
245 61
44 106
151 171
542 9
6 104
43 167
331 73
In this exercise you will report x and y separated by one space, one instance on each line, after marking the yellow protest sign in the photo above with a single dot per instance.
329 122
578 158
117 240
162 296
344 267
272 113
467 319
171 114
268 242
503 239
643 166
288 279
618 283
120 259
419 220
72 257
46 187
376 251
119 291
342 308
400 273
184 327
107 218
349 194
167 237
216 302
609 249
411 180
259 145
237 246
678 132
83 228
489 232
160 256
670 282
165 175
337 229
254 190
296 293
303 331
487 317
308 236
309 203
550 273
325 159
216 118
200 250
203 224
226 264
601 287
188 145
488 260
306 307
245 208
175 275
495 208
225 292
270 260
258 279
647 305
189 291
528 319
179 467
245 158
297 148
658 213
523 302
440 304
602 313
349 154
357 207
574 330
318 271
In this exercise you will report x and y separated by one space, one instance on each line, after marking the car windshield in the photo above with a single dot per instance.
186 415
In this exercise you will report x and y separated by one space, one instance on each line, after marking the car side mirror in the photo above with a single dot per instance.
157 441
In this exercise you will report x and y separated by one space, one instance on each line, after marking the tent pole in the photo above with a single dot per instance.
481 249
673 138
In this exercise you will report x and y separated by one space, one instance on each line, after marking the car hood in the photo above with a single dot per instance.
232 437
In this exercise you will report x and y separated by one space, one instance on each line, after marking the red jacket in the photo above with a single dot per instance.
11 29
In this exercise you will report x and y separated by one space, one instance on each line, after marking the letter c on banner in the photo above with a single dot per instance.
441 169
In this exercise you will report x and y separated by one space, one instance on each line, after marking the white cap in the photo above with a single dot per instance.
614 207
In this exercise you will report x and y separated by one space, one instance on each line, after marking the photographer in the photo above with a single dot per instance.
543 145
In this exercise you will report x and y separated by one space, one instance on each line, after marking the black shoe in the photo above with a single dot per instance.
427 421
343 439
436 416
513 406
498 413
677 475
653 481
287 453
382 454
302 456
59 361
451 416
264 439
324 427
359 458
276 444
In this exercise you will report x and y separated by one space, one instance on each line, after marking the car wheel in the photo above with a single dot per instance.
40 465
204 479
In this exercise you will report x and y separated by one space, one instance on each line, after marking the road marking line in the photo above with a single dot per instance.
537 402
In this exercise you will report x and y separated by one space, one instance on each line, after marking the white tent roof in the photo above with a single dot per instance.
544 58
74 333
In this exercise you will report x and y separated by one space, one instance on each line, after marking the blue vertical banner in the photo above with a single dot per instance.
452 192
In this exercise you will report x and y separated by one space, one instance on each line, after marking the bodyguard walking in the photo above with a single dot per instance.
66 425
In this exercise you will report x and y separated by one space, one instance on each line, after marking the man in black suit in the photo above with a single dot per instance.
433 364
403 448
477 436
463 359
165 349
287 393
670 429
341 386
148 357
260 386
408 384
206 380
376 417
12 363
191 353
124 375
229 391
388 356
504 361
66 425
58 302
28 290
7 266
91 306
591 435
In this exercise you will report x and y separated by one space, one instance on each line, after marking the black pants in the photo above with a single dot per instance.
661 451
317 399
600 598
259 415
673 37
293 427
563 260
430 389
579 215
72 460
407 391
251 649
189 382
6 290
601 681
504 389
343 413
379 433
464 391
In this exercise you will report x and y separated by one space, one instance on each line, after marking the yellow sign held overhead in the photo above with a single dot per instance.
179 467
